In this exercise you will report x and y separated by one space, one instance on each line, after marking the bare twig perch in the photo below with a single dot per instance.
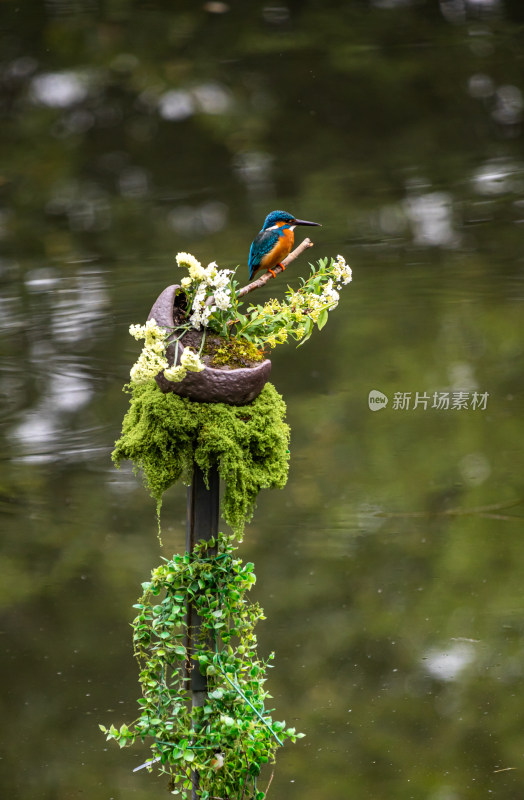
267 275
279 268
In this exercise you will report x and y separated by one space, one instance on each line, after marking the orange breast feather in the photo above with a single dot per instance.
280 251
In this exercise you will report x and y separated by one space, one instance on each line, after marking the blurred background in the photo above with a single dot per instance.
391 566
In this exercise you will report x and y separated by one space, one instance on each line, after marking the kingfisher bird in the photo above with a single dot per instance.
274 242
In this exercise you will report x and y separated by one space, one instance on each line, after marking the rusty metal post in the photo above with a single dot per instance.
203 506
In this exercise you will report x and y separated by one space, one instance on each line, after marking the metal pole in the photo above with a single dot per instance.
203 506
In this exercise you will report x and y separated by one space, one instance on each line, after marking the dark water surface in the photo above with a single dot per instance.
391 567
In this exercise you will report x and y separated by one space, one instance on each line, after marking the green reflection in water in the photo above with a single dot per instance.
398 637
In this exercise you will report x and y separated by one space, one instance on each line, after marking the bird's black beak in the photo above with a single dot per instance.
305 222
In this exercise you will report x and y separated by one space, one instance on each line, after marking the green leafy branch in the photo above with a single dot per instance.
296 316
230 737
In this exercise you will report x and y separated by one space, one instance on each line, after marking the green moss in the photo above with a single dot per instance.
236 352
164 435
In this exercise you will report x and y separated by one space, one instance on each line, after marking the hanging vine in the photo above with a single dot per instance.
230 737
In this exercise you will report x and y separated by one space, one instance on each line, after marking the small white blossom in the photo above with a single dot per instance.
222 299
186 282
195 319
191 361
136 332
329 295
192 264
197 308
157 346
196 273
342 271
187 260
314 306
296 299
147 366
152 359
175 373
221 279
211 272
200 317
200 296
201 312
205 314
150 331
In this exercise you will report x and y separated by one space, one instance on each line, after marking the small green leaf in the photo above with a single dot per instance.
322 319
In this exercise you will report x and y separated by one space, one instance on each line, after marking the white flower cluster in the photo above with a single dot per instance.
341 271
152 359
194 267
211 281
312 304
315 304
189 362
329 296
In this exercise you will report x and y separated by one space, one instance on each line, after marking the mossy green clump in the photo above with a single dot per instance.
164 435
237 352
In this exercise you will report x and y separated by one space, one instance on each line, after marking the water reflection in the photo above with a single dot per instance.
390 567
200 220
459 11
59 89
448 664
43 432
431 217
499 177
61 319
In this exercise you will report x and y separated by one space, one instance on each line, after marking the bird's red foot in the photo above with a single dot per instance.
283 267
271 271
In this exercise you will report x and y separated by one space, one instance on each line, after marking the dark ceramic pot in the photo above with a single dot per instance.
233 386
